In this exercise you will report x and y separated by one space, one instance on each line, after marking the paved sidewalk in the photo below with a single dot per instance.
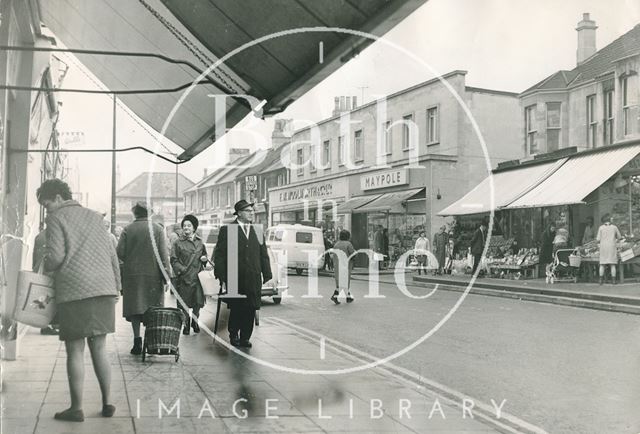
210 379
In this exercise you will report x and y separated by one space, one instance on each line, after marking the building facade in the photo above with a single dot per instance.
595 104
159 191
391 164
28 120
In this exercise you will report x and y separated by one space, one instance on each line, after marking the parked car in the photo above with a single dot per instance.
297 242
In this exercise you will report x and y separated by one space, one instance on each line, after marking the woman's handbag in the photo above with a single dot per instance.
208 282
35 299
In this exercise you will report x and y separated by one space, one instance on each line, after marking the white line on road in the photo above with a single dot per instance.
516 425
322 342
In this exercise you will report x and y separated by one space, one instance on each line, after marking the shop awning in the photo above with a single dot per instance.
356 202
508 185
577 178
392 202
277 70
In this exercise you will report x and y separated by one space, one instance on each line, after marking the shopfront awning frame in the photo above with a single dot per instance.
387 201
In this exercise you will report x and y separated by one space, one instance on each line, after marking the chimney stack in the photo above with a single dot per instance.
281 132
586 38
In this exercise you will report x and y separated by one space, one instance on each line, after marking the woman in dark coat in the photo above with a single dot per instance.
188 256
440 241
142 278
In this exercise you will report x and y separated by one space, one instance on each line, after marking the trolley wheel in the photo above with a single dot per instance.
299 271
277 300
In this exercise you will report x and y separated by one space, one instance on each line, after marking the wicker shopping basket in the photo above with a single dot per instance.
162 331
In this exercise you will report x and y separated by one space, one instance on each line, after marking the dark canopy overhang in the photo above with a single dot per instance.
277 70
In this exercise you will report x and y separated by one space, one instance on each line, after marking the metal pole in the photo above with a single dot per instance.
113 170
176 209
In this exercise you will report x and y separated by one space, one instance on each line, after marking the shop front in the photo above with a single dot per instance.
387 212
566 194
310 203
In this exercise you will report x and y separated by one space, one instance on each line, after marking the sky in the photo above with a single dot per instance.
503 44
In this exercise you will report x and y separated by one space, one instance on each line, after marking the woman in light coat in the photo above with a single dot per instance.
420 251
608 235
87 281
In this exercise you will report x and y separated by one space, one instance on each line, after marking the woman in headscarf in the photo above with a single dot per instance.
188 256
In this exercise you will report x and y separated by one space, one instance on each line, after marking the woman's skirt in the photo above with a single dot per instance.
86 318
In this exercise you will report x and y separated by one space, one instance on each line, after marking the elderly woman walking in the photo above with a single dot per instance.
608 235
342 266
87 281
142 271
188 256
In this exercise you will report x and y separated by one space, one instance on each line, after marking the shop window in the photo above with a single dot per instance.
300 161
626 115
386 136
553 125
408 142
592 123
432 125
304 237
341 151
358 146
313 158
326 155
608 117
531 143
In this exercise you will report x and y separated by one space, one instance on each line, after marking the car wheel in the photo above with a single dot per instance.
299 271
277 300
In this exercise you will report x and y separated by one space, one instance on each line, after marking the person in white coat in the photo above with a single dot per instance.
608 235
420 251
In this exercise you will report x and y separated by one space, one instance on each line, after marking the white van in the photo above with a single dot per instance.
296 241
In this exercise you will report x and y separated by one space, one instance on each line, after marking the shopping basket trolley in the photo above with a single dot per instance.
163 326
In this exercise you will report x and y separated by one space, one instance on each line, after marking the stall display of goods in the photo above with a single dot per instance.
628 248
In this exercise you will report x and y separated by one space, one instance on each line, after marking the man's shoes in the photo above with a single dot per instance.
196 327
245 344
70 415
334 298
49 331
186 330
234 340
349 298
137 347
108 410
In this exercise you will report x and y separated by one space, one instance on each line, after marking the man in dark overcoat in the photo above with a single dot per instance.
477 244
242 264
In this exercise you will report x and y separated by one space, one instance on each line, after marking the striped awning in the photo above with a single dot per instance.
577 178
501 188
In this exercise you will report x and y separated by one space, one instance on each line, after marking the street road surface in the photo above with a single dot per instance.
564 369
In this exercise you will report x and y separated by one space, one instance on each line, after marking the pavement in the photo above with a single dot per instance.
622 297
214 388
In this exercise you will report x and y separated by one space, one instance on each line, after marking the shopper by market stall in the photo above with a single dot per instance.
608 235
546 246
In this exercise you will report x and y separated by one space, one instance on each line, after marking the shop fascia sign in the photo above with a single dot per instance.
387 178
321 190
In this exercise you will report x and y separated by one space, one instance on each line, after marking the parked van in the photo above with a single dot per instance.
296 241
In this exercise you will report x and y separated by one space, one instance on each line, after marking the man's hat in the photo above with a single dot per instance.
240 205
140 204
